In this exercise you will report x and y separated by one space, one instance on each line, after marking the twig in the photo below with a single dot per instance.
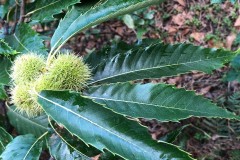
1 21
229 126
205 133
15 20
6 28
22 12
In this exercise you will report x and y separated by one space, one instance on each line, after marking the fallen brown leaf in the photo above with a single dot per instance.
230 40
170 39
96 157
178 8
214 44
180 18
205 90
120 31
237 22
198 36
171 29
185 31
181 2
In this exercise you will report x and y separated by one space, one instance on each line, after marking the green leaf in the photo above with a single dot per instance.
216 1
235 63
237 40
159 101
5 64
3 94
128 20
75 21
234 72
3 118
61 151
220 1
159 60
2 11
36 126
104 129
98 58
45 9
25 40
5 49
23 147
5 7
76 143
173 135
109 156
5 138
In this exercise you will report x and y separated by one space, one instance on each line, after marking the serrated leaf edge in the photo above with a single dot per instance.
168 85
102 19
9 108
103 128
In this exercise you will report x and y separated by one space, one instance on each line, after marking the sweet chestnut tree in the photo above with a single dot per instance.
79 107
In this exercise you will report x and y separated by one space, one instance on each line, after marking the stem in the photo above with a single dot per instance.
15 20
22 12
6 28
206 134
237 51
50 57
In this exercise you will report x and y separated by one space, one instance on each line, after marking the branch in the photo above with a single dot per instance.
22 12
6 28
15 20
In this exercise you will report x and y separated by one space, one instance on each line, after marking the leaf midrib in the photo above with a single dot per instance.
1 143
20 116
130 50
157 67
56 47
147 104
20 43
36 10
90 122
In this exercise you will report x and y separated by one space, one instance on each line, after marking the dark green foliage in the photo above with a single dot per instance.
61 151
5 49
76 21
103 128
220 1
3 94
4 8
36 126
45 9
157 60
26 40
5 138
22 147
156 101
234 72
5 64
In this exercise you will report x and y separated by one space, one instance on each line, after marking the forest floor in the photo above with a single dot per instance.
193 21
